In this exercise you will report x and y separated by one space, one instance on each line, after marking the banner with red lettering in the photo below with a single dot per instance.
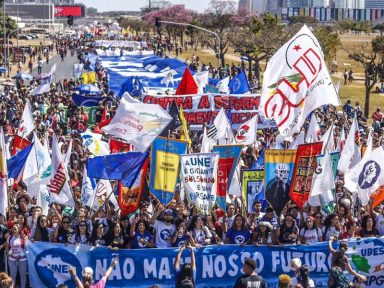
203 108
305 165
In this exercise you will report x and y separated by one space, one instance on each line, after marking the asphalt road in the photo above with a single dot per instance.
63 69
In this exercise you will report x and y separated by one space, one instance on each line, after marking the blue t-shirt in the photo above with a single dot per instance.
238 237
180 241
136 243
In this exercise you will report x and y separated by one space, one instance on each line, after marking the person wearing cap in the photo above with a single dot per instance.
87 280
163 229
250 277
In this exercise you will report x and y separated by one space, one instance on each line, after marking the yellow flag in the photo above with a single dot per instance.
184 135
89 77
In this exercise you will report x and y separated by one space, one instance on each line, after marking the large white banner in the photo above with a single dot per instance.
199 176
138 124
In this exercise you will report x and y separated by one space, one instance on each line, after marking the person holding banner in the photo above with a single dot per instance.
87 281
182 236
17 258
200 233
164 229
239 233
141 237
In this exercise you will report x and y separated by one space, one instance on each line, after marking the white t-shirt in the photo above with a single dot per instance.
163 233
380 224
331 231
16 251
229 222
311 236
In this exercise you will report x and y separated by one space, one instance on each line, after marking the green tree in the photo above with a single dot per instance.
329 40
371 57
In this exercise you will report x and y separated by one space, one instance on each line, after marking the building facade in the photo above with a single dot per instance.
374 4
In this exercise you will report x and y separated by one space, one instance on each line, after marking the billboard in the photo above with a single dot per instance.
69 10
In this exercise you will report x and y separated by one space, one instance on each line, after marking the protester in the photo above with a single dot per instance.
17 258
303 279
87 280
164 229
185 275
239 233
250 277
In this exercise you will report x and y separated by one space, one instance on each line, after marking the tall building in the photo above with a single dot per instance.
259 6
374 4
245 5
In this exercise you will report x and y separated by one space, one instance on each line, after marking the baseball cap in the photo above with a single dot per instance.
88 270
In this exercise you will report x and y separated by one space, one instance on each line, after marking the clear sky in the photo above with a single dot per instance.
135 5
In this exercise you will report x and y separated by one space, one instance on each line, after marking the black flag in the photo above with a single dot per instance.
175 123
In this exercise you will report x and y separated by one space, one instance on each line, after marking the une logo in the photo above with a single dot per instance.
52 267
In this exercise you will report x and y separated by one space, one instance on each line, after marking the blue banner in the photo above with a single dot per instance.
86 101
165 167
239 84
217 266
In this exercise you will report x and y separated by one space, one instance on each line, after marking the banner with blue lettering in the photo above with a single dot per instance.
217 266
165 167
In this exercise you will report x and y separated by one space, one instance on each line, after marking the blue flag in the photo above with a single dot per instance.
16 163
121 166
86 101
133 86
239 84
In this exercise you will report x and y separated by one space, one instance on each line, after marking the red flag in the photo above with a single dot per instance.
305 166
129 198
104 121
117 146
187 84
19 144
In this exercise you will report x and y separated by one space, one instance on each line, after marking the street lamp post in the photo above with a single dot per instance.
202 29
8 36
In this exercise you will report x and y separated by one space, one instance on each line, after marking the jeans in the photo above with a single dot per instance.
20 266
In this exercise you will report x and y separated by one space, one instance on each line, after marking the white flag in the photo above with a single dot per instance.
206 143
223 85
221 129
351 154
3 175
369 174
26 125
350 176
41 89
328 140
246 134
127 97
38 165
296 82
104 193
138 123
341 141
313 132
53 69
59 187
94 144
67 157
87 190
322 183
199 174
43 198
201 79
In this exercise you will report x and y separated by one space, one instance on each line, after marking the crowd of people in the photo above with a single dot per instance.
178 224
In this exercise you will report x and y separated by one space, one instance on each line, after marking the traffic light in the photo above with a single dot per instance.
157 22
70 20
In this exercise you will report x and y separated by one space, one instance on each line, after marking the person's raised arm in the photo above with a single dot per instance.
72 272
160 209
110 268
330 245
176 265
361 278
193 260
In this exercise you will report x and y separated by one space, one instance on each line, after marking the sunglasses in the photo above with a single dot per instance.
65 222
319 217
82 225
